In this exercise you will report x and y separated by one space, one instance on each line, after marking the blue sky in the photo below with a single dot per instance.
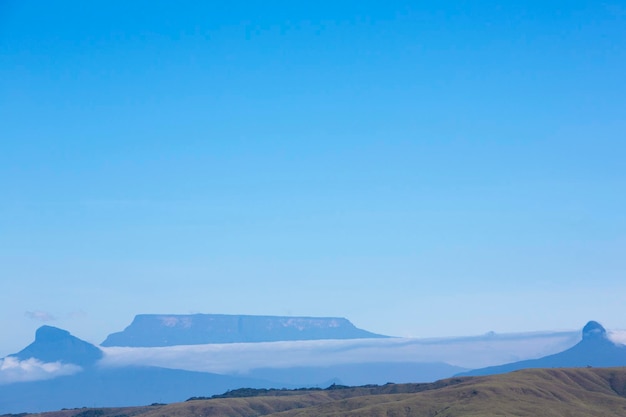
421 168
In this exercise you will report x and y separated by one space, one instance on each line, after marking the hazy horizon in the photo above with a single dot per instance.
423 170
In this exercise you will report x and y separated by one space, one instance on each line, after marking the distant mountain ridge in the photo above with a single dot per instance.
595 349
41 376
155 330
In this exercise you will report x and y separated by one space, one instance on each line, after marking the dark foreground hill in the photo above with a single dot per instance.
579 392
151 330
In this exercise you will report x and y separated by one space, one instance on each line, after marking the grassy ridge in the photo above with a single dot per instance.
579 392
554 392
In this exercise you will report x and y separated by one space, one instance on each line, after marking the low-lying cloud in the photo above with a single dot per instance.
240 358
617 336
14 370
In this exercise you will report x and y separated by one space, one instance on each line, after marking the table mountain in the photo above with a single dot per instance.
152 330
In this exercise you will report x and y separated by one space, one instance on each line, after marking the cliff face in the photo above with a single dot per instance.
150 330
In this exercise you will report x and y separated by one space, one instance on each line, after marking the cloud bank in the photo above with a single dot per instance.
14 370
617 336
239 358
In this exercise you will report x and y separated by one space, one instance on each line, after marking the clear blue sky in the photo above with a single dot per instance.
422 168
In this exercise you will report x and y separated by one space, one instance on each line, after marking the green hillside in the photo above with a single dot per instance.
567 392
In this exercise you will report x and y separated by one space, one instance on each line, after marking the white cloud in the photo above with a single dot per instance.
470 352
14 370
40 316
617 336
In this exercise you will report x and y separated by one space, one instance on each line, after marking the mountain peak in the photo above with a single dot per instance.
593 330
53 344
50 333
595 349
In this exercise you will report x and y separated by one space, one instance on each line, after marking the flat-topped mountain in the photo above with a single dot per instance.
57 345
151 330
595 349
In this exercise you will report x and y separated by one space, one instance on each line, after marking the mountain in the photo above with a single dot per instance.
115 387
59 370
28 386
528 393
53 344
595 349
153 330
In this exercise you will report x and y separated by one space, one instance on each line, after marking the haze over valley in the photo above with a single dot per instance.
169 358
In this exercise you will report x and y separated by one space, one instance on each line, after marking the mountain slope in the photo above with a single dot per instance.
357 373
595 349
116 387
546 393
152 330
579 392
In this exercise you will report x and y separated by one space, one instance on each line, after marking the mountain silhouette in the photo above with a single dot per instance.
53 344
152 330
595 349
